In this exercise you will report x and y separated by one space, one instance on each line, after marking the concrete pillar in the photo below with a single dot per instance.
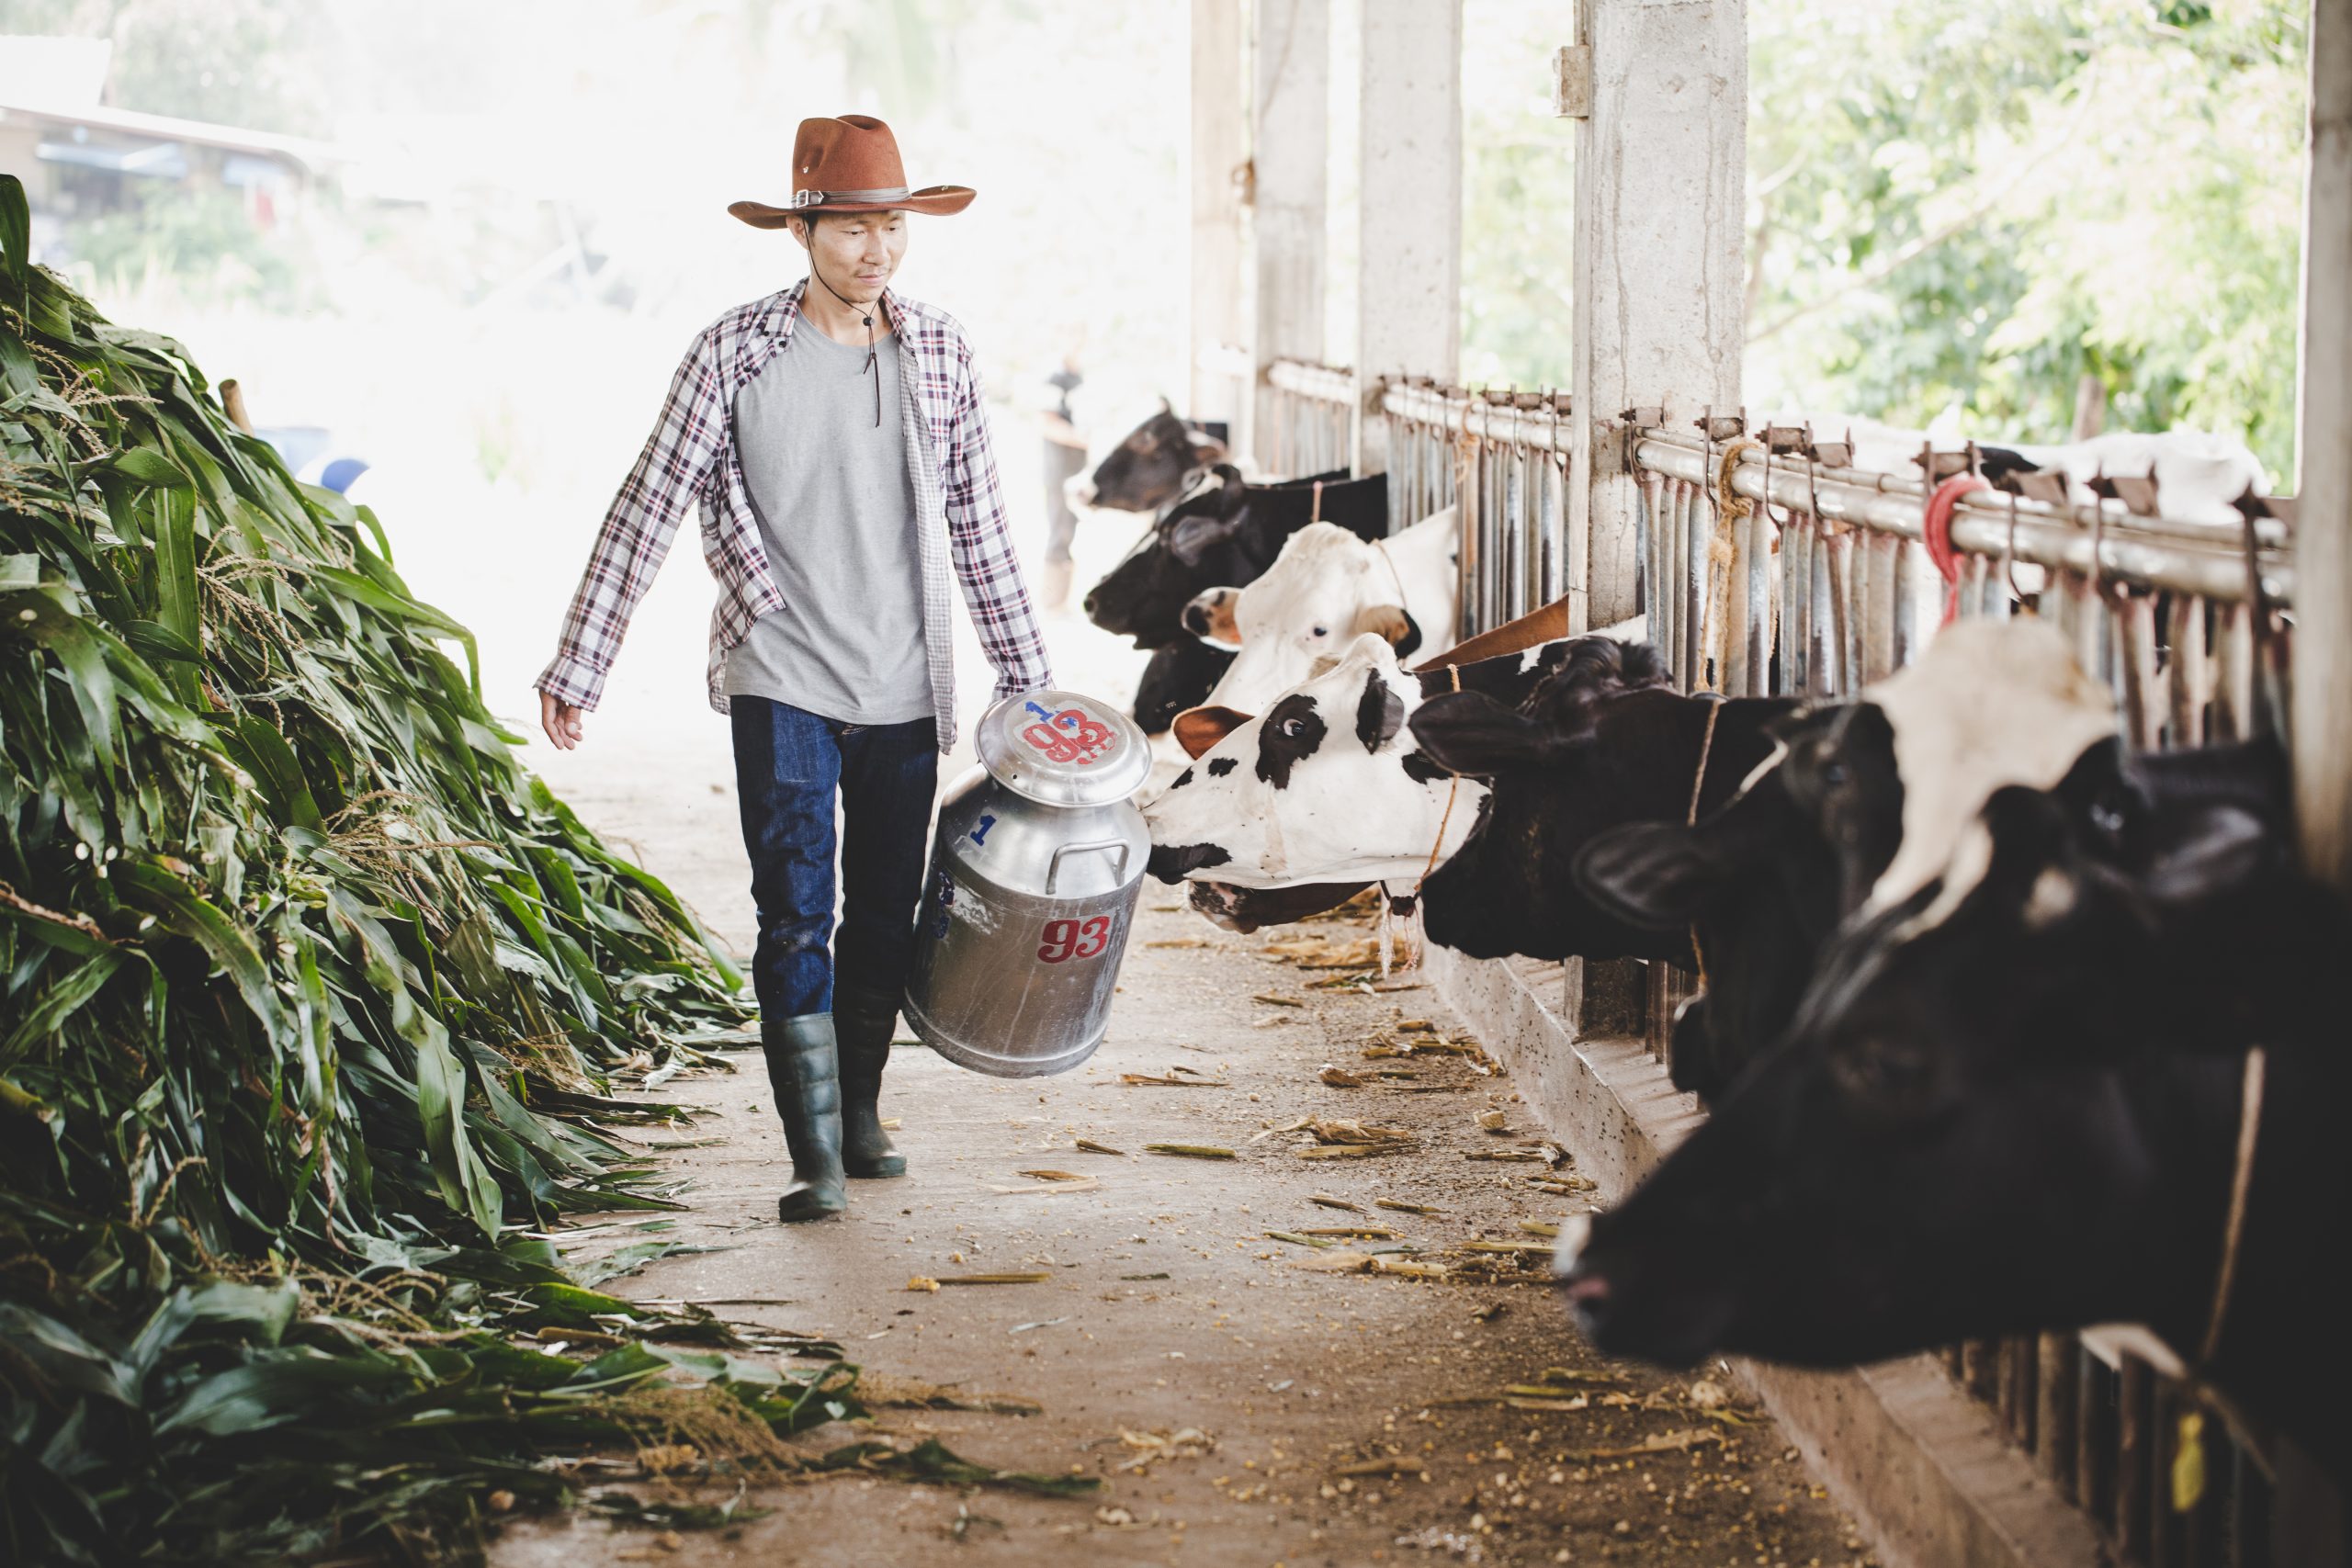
1408 290
1220 151
1661 171
1289 153
2323 719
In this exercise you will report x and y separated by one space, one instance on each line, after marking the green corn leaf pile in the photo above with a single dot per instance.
313 994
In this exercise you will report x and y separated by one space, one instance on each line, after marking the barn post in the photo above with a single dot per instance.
1219 152
2323 719
1661 168
1290 112
1408 290
2310 1523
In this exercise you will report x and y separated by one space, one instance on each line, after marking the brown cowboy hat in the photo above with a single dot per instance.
851 165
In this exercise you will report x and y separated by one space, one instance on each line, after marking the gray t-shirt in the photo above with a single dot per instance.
836 507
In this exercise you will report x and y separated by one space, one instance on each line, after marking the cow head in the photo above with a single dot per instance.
1974 1126
1327 589
1326 786
1860 802
1192 548
1151 467
1574 762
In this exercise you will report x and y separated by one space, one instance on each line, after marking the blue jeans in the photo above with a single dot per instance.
789 765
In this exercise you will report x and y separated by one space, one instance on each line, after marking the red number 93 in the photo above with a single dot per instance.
1066 940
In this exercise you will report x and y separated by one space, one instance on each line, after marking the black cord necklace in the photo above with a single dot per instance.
873 360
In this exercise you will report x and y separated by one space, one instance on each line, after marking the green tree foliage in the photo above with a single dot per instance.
1968 207
1957 207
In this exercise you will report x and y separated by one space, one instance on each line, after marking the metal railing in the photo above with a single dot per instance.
1830 587
1311 425
1501 457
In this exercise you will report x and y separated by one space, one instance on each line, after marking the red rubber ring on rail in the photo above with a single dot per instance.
1937 529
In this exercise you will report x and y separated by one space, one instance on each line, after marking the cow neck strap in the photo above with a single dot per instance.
2241 1182
1690 819
2188 1448
1452 791
1393 575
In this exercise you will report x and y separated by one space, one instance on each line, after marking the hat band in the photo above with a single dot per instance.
820 197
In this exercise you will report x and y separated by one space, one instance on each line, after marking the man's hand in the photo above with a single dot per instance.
561 720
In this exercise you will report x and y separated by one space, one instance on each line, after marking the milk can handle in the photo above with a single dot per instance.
1054 867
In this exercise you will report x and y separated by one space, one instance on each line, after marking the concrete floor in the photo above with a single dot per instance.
1168 1308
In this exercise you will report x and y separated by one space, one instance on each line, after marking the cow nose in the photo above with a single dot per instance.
1196 620
1088 604
1085 495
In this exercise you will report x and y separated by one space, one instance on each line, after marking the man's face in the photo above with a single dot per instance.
856 251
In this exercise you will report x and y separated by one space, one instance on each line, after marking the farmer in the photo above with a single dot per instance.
833 437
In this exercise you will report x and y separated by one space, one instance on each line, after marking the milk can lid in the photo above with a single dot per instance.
1060 748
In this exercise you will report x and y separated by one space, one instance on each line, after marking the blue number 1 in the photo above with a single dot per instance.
980 833
1041 713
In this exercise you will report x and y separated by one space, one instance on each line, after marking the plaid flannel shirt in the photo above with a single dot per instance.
691 457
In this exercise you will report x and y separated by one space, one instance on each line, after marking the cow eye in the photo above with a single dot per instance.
1892 1074
1833 773
1294 728
1322 631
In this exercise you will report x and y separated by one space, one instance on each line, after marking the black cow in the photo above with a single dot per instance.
1157 462
1763 883
2017 1110
1864 802
1567 766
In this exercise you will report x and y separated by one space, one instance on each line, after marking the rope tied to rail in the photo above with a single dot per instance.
1451 791
1731 509
1690 819
1936 529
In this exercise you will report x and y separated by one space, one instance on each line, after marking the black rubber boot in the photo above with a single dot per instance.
863 1021
804 1069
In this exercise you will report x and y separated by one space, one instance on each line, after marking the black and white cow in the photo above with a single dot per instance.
1231 527
1328 587
1231 532
1151 466
2013 1105
1328 788
1861 803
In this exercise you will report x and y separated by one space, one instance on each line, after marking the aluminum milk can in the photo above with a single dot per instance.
1035 867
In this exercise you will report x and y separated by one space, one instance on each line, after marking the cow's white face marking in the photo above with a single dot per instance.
1327 588
1345 814
1990 703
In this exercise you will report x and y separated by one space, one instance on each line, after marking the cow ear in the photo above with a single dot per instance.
1658 876
1469 732
1198 730
2210 853
1208 453
1380 712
